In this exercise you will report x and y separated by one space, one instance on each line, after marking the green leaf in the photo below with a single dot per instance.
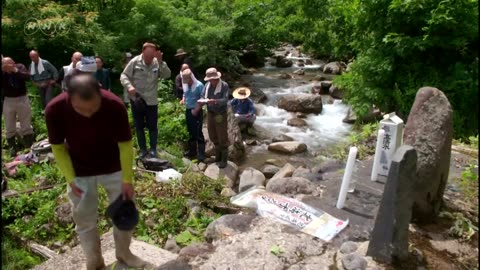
276 250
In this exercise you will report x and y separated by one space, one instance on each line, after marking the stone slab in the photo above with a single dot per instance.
75 260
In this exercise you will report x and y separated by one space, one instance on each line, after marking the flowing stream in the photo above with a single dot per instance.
322 131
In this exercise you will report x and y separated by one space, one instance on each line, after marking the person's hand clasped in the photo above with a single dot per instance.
182 102
127 191
132 91
76 190
212 101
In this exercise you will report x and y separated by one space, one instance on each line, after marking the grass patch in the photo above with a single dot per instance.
15 257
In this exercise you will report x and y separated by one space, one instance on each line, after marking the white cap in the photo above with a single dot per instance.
87 64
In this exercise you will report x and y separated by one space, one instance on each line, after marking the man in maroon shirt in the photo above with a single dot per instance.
16 104
91 140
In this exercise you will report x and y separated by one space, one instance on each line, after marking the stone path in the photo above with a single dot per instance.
75 260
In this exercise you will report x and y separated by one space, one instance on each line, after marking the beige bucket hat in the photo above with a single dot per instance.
211 74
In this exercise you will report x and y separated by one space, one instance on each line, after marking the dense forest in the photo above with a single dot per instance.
395 46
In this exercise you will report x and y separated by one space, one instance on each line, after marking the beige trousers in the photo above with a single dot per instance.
14 107
85 208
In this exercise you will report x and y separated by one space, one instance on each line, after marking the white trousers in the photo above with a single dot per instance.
85 208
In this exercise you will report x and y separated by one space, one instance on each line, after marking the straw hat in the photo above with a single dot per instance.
180 52
211 74
241 93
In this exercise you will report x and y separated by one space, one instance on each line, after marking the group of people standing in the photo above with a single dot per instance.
90 135
15 102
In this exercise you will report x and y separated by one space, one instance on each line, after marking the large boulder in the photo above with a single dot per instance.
429 130
306 103
227 225
336 92
286 171
258 96
296 122
283 62
333 68
250 177
230 172
373 115
290 185
288 147
251 59
236 150
307 174
322 88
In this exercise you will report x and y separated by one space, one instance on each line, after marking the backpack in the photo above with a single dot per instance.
155 164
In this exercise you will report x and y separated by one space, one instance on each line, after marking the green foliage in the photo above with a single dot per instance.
15 257
462 227
164 208
363 137
406 45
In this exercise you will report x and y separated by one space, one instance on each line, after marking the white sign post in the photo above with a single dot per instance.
352 154
392 139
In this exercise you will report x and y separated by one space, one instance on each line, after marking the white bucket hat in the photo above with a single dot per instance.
212 74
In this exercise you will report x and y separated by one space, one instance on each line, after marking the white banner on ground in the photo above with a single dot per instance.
291 212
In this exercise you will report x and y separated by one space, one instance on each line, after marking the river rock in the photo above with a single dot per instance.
194 250
306 103
300 72
228 192
429 130
171 244
175 265
286 171
270 170
288 147
307 174
354 261
250 177
296 122
300 63
227 225
372 116
316 89
282 138
348 247
290 185
252 250
333 68
257 95
319 77
283 62
285 76
236 150
308 62
336 92
230 172
301 115
64 213
251 59
327 99
321 88
275 162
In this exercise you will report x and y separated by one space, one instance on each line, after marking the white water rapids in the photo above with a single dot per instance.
324 129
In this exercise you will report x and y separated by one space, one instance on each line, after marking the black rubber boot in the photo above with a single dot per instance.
224 158
12 146
28 140
218 154
201 152
192 150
